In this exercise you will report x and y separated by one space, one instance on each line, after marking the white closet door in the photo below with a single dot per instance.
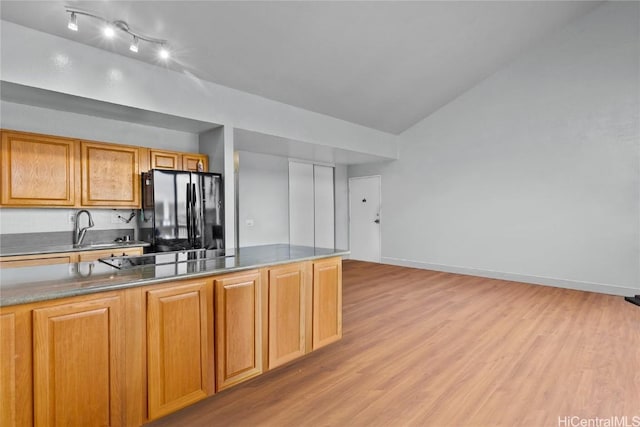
324 223
301 204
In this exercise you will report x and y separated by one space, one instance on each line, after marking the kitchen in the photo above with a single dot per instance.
64 88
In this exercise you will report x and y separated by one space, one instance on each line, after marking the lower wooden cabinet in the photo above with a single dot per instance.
239 321
288 295
77 362
128 357
179 346
327 301
8 372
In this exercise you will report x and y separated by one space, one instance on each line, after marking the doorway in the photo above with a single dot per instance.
364 218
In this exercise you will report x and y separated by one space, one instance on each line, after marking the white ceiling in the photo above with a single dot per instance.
385 65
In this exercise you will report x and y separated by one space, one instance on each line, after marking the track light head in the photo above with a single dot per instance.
133 47
163 53
108 31
73 22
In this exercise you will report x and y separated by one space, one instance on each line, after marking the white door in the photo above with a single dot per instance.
364 218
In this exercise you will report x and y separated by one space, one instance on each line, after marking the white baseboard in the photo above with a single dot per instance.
536 280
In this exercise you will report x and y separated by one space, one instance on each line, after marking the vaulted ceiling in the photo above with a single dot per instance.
384 65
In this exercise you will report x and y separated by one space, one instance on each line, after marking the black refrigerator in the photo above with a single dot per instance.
182 210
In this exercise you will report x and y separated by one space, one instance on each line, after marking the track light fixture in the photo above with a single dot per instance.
110 27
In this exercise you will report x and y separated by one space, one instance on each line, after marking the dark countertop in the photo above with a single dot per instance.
32 284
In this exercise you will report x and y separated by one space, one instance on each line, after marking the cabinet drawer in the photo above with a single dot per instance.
106 253
36 260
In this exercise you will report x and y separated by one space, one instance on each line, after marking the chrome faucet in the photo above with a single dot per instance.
78 233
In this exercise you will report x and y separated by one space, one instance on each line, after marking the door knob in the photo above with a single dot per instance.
377 221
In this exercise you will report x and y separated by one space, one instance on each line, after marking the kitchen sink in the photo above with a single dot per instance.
100 245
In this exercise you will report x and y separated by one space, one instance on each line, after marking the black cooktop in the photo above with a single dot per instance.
124 262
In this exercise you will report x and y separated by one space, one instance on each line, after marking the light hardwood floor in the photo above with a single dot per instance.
424 348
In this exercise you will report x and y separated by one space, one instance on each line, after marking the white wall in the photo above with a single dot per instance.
341 195
17 220
218 145
534 174
55 122
263 198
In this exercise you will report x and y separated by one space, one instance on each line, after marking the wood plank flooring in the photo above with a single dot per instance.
425 348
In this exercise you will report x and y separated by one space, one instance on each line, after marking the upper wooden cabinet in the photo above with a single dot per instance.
110 175
38 170
51 171
163 159
190 162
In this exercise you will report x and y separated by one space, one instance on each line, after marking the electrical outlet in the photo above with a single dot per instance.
72 217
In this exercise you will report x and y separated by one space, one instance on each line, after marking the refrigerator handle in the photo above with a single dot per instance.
194 215
189 227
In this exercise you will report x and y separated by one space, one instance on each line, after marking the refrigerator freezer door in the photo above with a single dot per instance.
171 216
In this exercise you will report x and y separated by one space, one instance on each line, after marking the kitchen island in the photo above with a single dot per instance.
90 344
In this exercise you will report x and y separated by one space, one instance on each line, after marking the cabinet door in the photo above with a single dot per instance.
179 346
110 175
8 373
190 162
165 160
179 340
327 301
238 321
16 369
287 313
37 170
78 363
